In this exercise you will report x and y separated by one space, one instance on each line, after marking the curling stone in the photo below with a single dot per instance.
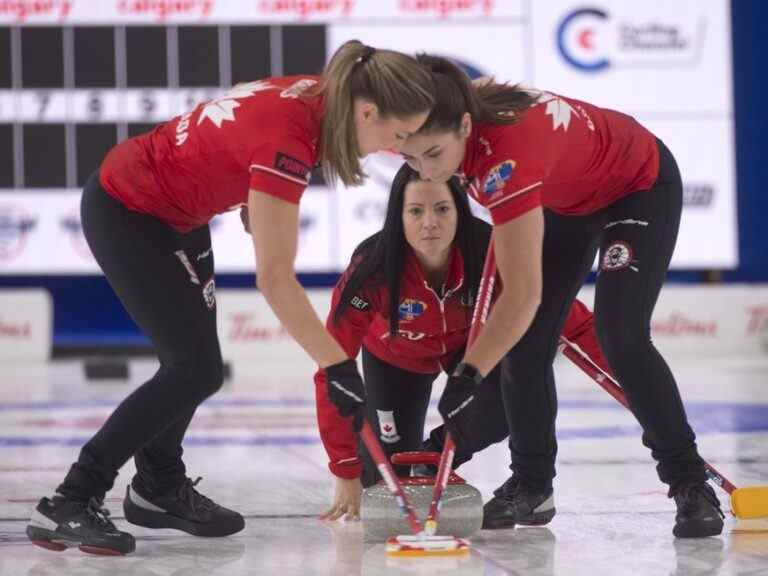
461 509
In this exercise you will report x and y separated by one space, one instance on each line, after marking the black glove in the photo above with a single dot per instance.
346 391
458 396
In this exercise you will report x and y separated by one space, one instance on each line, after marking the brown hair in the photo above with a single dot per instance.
393 81
455 94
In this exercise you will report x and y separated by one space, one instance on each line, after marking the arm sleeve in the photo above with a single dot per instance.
580 329
336 432
511 185
282 166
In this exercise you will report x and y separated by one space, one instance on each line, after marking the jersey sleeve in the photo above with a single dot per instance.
580 329
510 179
336 431
510 190
282 166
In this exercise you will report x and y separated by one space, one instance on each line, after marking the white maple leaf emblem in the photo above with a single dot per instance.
222 108
559 109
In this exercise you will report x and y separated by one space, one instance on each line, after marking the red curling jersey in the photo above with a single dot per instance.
432 329
565 155
259 135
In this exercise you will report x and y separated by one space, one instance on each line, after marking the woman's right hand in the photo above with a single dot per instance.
346 501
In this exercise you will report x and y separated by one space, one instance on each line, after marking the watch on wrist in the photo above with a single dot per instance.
468 371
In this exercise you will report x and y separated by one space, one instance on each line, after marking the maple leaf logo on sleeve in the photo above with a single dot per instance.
222 108
559 109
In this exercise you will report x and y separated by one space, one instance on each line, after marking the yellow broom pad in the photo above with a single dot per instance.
750 502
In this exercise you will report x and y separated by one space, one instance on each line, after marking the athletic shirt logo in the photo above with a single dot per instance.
410 309
498 176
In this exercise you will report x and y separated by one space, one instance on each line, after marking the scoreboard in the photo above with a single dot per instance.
68 94
78 76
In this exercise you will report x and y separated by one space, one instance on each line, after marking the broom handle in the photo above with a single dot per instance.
390 478
606 381
482 305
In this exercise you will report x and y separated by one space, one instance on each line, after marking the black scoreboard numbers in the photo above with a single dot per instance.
70 93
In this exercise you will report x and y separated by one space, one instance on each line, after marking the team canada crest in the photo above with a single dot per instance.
498 176
410 309
387 427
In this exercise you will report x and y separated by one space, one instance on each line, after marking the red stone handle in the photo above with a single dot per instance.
429 458
411 458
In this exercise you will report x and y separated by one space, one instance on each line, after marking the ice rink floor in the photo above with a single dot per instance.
256 446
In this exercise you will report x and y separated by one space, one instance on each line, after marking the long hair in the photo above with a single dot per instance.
395 82
455 94
380 259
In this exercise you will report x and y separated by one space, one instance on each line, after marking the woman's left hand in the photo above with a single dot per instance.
346 501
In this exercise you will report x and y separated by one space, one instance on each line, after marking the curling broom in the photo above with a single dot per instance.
482 305
748 504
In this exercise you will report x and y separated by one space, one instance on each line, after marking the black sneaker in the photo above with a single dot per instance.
698 511
517 503
182 509
59 523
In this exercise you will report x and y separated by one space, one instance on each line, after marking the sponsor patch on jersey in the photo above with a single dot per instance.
498 176
359 303
292 167
410 309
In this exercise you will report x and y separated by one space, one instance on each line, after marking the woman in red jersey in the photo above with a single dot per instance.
563 178
406 299
145 216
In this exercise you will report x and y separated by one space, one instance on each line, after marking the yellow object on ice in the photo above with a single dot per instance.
750 502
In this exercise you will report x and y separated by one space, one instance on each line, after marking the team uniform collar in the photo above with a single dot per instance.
454 279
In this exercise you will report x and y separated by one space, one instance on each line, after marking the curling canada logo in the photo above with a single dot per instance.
592 40
307 8
446 8
22 10
166 8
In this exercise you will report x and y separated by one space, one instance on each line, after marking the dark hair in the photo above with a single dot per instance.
380 259
455 94
398 86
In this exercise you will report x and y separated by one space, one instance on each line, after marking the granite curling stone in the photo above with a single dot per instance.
461 510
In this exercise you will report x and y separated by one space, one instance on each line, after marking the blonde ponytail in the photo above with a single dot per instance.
395 82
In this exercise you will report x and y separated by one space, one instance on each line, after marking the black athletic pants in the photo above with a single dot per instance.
636 236
397 407
165 281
